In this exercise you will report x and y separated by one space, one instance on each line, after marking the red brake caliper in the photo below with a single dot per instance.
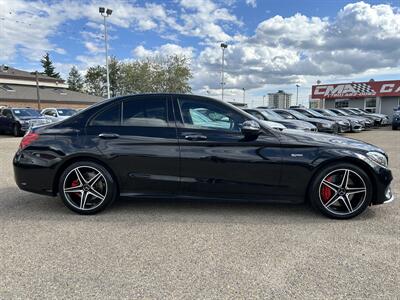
326 192
74 184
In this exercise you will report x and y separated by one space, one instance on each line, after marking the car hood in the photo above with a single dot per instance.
298 123
319 120
326 140
274 125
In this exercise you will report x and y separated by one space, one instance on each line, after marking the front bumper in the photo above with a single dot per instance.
344 128
383 192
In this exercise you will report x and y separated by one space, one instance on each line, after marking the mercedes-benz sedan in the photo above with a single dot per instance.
155 145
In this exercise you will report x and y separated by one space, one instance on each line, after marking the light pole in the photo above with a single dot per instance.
106 13
244 95
297 94
264 100
223 47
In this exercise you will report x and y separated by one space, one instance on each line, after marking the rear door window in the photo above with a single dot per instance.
109 117
146 112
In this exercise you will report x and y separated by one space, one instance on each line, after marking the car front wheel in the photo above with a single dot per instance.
16 130
87 187
341 191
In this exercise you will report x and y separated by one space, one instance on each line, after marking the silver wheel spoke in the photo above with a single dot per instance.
94 179
96 194
84 196
347 203
332 186
74 189
81 179
332 200
345 179
352 191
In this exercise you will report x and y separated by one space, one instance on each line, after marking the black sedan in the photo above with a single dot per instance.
322 125
17 120
186 146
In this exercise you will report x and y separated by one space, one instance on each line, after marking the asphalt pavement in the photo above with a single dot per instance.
194 249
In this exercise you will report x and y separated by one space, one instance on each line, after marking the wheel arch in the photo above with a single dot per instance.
75 159
347 159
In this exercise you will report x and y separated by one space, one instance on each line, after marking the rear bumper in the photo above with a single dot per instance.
33 175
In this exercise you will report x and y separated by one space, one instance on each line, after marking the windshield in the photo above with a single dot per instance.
297 114
66 112
354 112
328 113
314 113
341 112
271 115
26 112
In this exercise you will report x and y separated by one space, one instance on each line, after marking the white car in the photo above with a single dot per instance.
58 114
274 125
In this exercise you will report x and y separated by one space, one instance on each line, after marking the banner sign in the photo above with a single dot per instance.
357 90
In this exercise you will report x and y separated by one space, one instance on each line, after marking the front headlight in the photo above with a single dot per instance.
378 158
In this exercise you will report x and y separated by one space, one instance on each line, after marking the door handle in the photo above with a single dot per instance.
195 137
108 136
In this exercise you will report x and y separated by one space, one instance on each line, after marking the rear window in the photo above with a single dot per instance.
150 112
109 117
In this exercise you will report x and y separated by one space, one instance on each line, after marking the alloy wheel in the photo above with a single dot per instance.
342 192
85 188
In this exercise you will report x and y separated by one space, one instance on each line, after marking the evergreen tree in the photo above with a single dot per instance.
75 80
48 67
95 81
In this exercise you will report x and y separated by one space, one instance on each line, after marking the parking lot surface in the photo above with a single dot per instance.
193 249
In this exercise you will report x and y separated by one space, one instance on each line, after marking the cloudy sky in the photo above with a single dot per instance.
273 44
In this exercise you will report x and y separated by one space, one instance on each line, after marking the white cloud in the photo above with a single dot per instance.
362 38
252 3
165 50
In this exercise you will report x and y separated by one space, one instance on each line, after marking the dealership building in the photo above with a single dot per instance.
19 88
374 96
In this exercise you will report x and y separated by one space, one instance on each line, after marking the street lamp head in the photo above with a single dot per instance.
109 12
298 85
223 45
102 10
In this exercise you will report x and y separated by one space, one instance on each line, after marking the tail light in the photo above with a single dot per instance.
28 139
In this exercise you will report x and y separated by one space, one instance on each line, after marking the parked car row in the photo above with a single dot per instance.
17 121
323 120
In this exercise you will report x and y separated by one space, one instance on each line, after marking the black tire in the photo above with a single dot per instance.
104 186
360 201
16 130
394 127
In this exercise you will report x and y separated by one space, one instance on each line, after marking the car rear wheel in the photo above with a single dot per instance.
87 187
341 191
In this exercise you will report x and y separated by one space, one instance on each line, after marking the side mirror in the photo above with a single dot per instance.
250 128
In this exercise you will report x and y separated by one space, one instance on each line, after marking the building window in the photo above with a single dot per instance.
370 105
341 103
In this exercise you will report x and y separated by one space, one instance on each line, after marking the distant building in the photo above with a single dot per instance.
373 96
279 99
18 89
